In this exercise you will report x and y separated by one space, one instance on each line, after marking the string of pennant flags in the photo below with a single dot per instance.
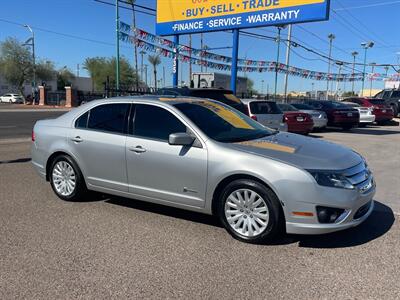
185 54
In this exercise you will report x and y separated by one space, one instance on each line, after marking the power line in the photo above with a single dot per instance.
371 5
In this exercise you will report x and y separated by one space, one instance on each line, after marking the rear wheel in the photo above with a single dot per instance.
66 179
249 211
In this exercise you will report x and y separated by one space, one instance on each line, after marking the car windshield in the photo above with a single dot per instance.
221 123
287 107
302 106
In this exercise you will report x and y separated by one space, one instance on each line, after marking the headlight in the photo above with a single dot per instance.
331 180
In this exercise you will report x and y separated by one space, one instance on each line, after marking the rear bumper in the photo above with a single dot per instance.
300 127
320 123
367 119
383 117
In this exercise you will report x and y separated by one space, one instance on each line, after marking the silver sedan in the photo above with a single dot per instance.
204 156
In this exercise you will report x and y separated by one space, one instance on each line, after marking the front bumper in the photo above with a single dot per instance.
358 207
367 119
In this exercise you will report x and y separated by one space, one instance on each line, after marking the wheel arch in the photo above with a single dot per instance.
51 158
218 190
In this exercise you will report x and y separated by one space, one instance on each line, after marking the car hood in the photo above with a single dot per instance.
300 151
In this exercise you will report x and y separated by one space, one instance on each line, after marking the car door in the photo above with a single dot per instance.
98 143
160 171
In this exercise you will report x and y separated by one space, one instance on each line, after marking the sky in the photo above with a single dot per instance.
69 31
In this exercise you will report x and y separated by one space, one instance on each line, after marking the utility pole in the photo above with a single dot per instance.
142 53
372 78
366 46
145 68
354 54
340 64
331 37
289 45
312 90
77 70
163 69
117 46
190 62
201 47
33 61
278 40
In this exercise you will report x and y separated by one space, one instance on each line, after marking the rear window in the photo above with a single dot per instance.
287 107
396 94
376 101
261 107
303 106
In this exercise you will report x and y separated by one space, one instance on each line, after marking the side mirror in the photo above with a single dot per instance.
181 139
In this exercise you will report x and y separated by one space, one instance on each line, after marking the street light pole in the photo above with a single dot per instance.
365 46
34 63
354 54
331 37
117 45
145 69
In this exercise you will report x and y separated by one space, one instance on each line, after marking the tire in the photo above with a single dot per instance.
268 210
64 169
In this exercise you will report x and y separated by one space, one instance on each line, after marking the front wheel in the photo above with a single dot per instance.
66 179
250 212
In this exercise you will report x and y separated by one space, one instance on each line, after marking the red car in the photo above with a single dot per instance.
297 121
383 113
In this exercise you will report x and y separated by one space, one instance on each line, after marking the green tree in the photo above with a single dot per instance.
154 60
100 68
64 78
15 63
45 70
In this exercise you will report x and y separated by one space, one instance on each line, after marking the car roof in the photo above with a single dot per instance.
171 100
247 101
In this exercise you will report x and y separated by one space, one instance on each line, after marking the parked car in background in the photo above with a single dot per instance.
339 114
319 117
383 112
12 98
267 113
391 98
366 113
298 122
204 156
221 95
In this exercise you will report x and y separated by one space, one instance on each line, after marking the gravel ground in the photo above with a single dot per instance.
115 247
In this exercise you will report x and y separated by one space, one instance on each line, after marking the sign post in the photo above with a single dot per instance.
235 54
175 67
199 16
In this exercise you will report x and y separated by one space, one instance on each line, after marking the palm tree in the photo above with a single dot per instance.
132 3
154 60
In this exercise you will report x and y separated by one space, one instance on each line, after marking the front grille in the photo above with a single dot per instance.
361 212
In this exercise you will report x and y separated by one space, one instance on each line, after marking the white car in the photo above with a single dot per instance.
267 113
366 113
12 98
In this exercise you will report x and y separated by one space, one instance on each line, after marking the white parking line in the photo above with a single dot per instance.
14 141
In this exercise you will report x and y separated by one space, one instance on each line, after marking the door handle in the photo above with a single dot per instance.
77 139
137 149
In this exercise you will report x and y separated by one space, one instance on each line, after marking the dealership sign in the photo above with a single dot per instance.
190 16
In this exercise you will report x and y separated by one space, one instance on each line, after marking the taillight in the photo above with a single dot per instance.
254 118
285 119
33 135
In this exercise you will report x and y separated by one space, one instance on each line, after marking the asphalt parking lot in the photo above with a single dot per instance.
114 247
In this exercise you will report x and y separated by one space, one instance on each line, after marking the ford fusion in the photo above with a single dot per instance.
204 156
